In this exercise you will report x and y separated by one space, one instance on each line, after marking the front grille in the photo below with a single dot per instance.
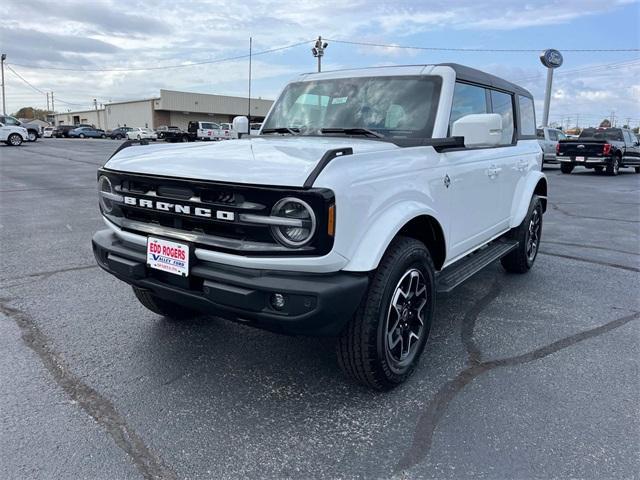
221 201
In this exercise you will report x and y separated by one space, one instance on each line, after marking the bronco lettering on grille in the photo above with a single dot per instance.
178 208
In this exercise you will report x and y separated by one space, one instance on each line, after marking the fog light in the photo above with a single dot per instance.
277 301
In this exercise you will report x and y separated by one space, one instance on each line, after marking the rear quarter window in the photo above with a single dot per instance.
527 116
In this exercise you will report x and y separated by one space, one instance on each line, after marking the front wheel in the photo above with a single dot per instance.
81 135
381 345
14 140
598 169
528 235
103 136
566 168
163 307
32 136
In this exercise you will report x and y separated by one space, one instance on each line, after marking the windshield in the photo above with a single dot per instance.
395 107
602 134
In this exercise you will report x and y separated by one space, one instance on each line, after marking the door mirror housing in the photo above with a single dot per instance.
479 129
241 125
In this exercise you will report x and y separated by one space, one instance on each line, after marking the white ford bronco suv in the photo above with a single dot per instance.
366 193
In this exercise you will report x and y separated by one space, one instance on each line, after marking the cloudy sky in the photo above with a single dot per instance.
61 46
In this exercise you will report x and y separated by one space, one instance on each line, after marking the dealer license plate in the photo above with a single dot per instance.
171 257
579 159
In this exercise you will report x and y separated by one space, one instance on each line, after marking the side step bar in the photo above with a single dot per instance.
462 270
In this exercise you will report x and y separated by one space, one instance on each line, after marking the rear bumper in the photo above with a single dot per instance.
588 161
315 304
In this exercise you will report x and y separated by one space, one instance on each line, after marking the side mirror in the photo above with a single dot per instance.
479 129
1 124
240 125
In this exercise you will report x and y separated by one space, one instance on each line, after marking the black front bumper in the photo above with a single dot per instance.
315 304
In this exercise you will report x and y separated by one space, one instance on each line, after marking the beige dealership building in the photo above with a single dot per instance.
170 108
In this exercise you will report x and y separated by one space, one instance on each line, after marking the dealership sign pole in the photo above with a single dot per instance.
551 59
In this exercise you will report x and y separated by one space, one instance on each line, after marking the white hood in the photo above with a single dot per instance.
282 161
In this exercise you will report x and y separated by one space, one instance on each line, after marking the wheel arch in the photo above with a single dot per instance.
535 184
427 230
405 219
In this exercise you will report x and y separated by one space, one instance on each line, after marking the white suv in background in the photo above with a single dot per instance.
13 135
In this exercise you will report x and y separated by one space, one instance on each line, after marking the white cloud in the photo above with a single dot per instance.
138 33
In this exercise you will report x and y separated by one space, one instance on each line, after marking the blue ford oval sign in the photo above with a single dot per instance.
551 58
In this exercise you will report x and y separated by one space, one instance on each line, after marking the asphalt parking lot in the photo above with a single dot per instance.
533 376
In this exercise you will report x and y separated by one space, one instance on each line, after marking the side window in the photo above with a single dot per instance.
627 138
527 116
502 104
540 133
561 136
467 99
553 135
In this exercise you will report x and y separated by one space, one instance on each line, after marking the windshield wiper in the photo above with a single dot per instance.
290 130
353 131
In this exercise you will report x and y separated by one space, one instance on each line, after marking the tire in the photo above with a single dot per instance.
81 135
184 139
528 234
367 348
163 307
14 140
598 169
103 136
614 166
566 168
32 136
637 169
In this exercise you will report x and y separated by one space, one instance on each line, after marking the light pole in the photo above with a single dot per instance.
318 51
551 59
4 102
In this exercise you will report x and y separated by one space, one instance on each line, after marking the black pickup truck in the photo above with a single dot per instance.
172 134
600 149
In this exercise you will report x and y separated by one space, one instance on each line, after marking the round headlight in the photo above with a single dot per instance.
299 222
104 185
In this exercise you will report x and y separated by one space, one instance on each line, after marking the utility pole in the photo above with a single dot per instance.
249 105
95 105
613 118
318 51
48 102
53 107
4 102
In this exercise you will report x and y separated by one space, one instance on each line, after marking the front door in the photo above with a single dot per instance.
476 198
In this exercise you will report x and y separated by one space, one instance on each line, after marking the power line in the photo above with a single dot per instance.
592 68
36 89
180 65
488 50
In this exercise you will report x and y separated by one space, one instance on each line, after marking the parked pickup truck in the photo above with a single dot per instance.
548 139
601 149
367 192
203 131
172 134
